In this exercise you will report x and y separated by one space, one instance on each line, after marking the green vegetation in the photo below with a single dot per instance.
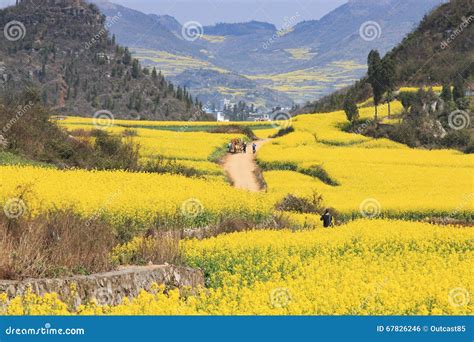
101 76
8 158
419 59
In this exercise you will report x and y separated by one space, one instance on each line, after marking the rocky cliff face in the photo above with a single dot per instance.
63 48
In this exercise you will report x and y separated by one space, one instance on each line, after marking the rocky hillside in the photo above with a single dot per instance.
63 48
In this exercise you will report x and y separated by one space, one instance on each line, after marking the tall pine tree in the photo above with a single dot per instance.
375 78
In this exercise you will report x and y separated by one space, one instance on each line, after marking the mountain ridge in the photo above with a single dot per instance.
424 57
65 51
318 56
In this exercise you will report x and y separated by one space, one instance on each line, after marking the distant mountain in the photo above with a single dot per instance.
211 84
168 22
137 29
338 35
240 29
63 49
305 61
437 51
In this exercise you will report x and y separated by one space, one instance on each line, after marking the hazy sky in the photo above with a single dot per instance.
212 11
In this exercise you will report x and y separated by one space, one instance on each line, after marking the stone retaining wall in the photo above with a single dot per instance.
108 288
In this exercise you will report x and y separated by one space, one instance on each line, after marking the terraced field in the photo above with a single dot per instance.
380 260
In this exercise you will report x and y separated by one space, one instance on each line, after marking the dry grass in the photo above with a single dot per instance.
156 247
52 245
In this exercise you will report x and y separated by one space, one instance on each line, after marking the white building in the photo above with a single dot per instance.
221 117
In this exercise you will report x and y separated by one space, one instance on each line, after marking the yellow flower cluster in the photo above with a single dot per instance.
403 181
191 149
75 120
121 195
365 267
436 89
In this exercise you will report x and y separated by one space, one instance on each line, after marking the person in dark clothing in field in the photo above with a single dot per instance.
327 219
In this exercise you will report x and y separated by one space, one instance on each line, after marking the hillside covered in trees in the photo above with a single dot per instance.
63 48
437 52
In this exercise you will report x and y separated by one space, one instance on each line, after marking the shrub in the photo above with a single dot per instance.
113 153
457 138
283 131
312 205
53 244
32 134
317 171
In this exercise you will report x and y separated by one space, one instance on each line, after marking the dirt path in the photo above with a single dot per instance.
240 168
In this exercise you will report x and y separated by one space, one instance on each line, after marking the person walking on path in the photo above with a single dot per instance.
254 148
244 147
327 219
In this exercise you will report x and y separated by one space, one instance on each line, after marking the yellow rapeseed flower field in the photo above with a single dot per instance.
120 195
365 267
400 180
192 149
379 265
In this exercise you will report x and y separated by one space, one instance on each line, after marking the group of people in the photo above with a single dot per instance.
240 146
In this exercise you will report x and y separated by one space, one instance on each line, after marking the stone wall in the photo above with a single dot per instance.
108 288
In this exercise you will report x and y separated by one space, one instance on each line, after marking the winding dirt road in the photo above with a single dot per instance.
241 167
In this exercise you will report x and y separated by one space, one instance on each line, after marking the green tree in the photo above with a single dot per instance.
407 99
375 78
154 74
459 90
446 93
388 78
135 68
351 109
127 57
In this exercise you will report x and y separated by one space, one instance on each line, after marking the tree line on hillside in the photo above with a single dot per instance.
422 58
80 69
427 120
239 111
